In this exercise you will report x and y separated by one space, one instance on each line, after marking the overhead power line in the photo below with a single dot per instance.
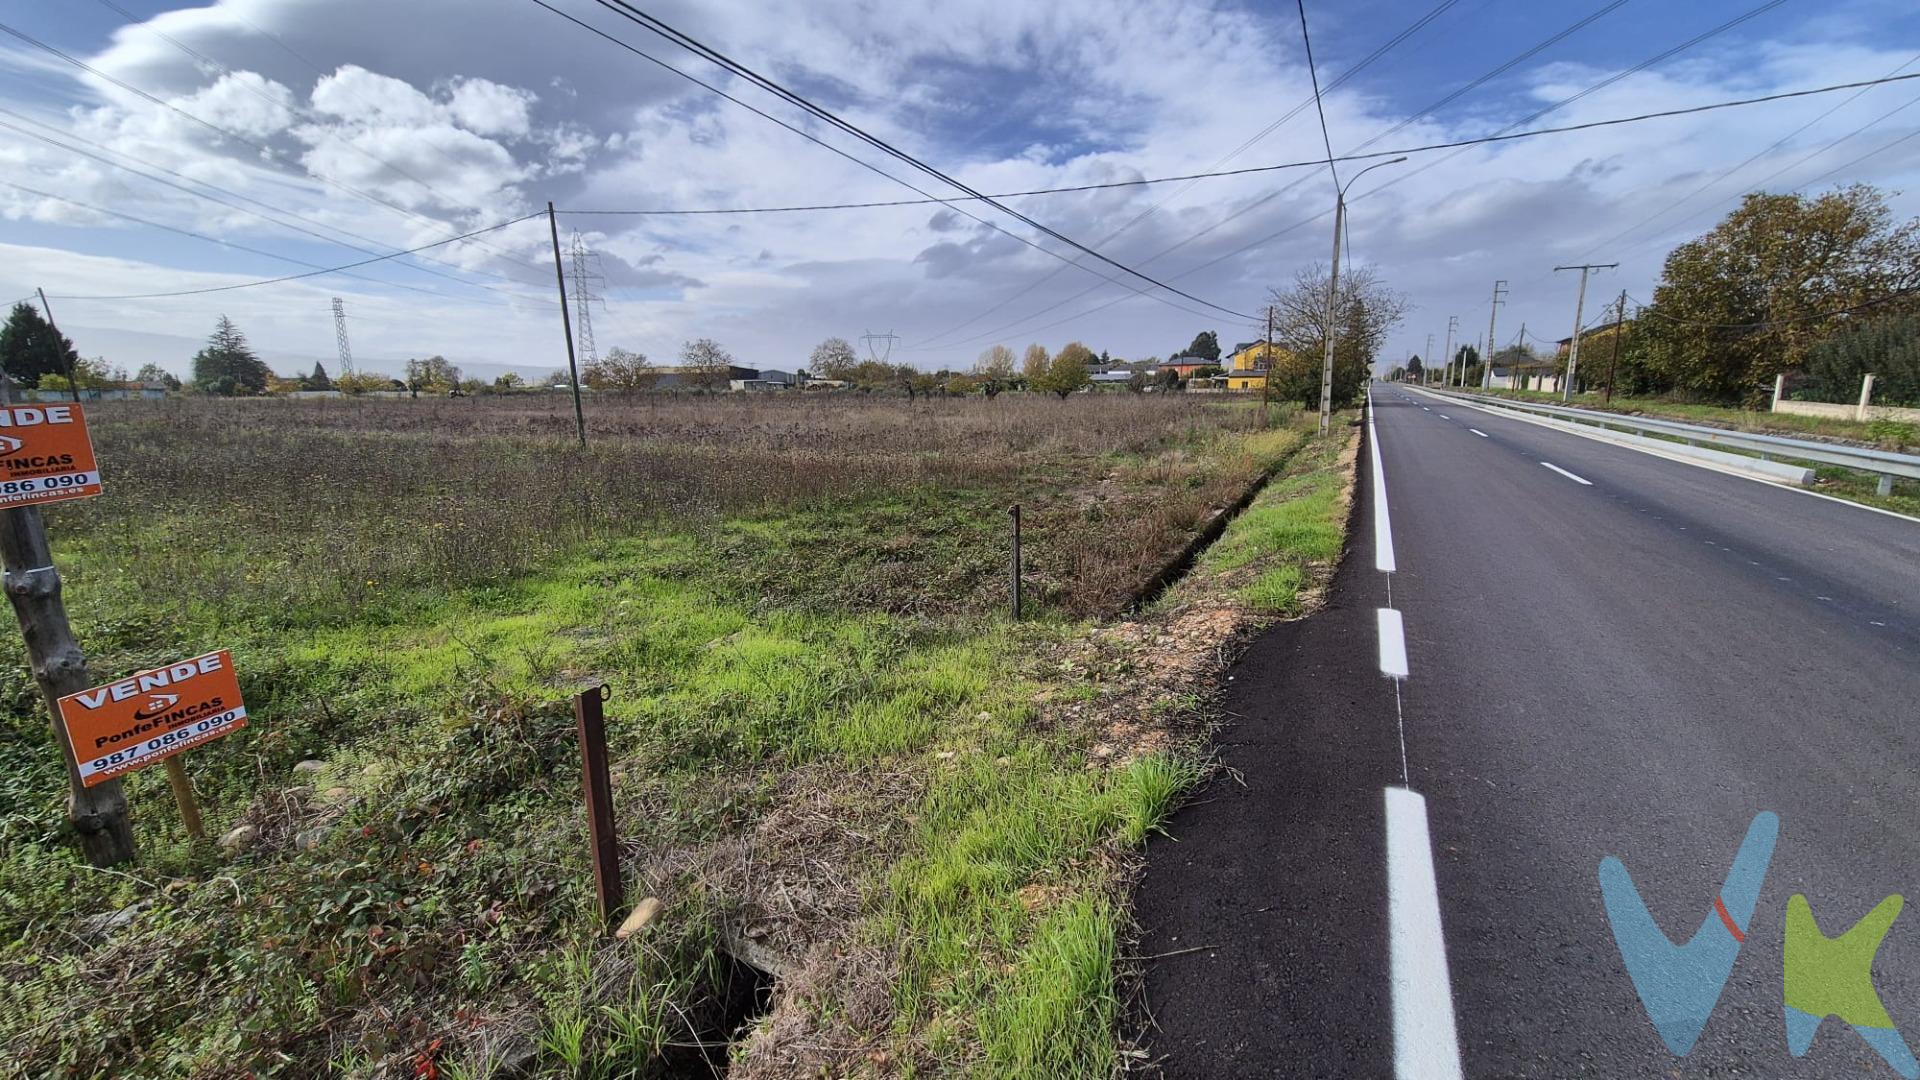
227 201
265 151
311 273
951 202
190 234
1504 134
1252 169
656 26
1314 74
1270 196
1718 177
1029 288
1892 297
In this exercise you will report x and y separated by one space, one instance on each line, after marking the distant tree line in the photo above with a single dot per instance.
1824 289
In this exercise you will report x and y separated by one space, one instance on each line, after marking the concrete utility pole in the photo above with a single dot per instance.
98 813
73 384
1579 309
1333 291
1426 371
1486 362
1453 323
1619 323
566 326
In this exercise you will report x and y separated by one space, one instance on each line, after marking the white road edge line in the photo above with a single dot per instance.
1576 479
1382 526
1393 643
1426 1045
1478 432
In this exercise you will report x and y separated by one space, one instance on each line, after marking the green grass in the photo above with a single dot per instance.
1293 529
429 882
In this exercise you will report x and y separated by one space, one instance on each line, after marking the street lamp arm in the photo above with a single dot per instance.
1365 171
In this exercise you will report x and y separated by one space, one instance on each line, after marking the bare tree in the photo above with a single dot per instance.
621 370
704 364
1367 311
833 358
994 370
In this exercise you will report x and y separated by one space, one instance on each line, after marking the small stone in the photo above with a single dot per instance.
335 794
98 926
984 717
240 837
310 766
310 839
643 913
944 755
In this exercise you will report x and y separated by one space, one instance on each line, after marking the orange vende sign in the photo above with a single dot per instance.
45 455
155 714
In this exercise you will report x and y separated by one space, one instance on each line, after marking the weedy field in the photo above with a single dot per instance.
888 825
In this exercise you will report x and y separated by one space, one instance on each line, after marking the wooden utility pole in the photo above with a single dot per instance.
98 813
1266 384
566 326
73 384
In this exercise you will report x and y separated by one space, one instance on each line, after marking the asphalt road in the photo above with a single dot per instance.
1634 666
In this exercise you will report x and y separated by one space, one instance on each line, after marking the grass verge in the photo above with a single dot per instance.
917 817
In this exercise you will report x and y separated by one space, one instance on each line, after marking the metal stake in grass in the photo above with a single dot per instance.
1014 562
98 813
603 841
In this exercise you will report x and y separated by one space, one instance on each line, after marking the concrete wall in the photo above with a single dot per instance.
1847 412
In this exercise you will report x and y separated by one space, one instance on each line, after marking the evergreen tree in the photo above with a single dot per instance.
30 347
228 366
318 380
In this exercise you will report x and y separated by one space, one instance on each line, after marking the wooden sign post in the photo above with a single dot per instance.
98 812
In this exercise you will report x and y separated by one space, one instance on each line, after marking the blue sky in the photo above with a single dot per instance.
458 115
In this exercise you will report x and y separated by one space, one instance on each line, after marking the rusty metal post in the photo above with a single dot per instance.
603 842
1014 562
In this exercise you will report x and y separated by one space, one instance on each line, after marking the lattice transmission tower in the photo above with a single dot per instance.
880 354
586 274
340 335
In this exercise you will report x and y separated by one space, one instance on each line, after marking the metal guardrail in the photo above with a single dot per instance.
1884 463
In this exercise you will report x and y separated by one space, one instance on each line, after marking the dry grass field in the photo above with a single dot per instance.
836 760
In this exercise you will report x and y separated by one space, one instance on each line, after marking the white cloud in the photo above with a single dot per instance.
1006 97
488 108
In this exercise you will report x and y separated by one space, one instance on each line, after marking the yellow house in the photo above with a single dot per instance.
1247 365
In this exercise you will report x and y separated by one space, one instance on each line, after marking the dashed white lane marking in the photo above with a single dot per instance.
1426 1045
1478 432
1393 644
1444 416
1576 479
